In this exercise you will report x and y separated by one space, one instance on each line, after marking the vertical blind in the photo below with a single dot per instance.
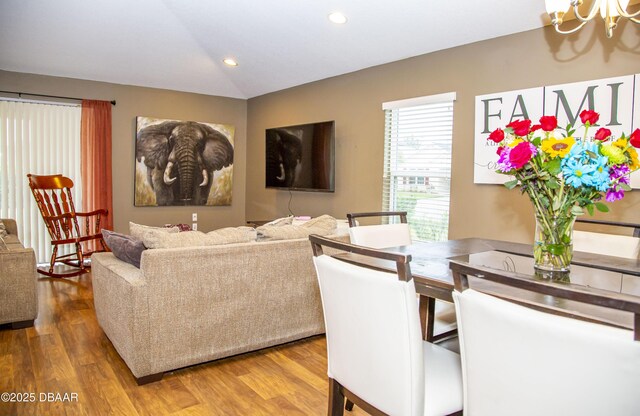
417 163
41 139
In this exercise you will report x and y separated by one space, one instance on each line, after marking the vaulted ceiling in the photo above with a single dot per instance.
180 44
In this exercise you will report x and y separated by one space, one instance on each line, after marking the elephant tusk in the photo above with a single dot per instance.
205 181
167 171
282 174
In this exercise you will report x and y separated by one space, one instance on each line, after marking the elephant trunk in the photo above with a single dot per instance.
187 161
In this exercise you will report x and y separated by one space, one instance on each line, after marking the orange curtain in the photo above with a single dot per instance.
95 147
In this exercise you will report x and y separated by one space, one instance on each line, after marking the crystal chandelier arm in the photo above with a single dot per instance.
595 4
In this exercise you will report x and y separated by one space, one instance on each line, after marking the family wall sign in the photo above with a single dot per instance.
616 99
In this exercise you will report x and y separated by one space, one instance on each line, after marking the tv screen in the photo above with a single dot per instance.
301 157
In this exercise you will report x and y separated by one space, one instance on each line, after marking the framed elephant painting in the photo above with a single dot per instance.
183 163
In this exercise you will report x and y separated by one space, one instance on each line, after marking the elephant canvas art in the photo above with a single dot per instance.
183 163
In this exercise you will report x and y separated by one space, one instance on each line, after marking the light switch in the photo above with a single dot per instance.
194 226
194 216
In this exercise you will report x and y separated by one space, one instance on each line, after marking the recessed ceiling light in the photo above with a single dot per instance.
338 18
230 61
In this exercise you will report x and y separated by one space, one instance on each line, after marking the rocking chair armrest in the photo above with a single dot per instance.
93 213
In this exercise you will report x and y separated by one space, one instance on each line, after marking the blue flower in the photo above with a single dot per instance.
583 166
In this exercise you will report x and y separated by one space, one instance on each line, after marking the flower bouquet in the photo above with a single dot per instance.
564 175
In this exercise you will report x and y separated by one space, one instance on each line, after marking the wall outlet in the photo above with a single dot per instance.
194 226
194 216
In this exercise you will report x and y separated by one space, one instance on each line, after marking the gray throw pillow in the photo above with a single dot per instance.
126 248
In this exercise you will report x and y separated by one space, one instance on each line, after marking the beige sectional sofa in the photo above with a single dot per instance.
189 305
18 278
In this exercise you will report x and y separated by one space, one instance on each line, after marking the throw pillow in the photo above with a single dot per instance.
3 229
162 239
231 235
280 221
138 230
322 225
156 239
124 247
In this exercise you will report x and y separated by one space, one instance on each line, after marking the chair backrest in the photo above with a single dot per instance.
607 244
55 202
380 235
524 361
374 343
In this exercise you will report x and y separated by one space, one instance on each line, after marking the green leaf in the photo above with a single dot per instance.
590 209
552 183
511 184
576 210
591 154
602 207
536 141
556 249
553 166
624 186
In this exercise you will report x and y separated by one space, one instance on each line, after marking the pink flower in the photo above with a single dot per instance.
521 154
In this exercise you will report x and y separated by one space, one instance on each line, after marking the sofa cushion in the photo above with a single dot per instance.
156 239
124 247
322 225
138 230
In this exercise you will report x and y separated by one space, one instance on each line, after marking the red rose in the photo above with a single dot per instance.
535 127
589 116
500 150
497 135
634 139
520 155
603 134
520 127
548 123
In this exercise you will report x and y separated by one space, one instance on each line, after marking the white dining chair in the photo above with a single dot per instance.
375 352
394 235
607 244
522 361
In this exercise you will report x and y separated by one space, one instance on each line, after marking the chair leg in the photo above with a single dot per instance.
336 399
54 254
348 406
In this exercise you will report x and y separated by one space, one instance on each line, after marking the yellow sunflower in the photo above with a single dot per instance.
635 162
557 147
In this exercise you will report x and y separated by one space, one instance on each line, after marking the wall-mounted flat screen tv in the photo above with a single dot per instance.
301 158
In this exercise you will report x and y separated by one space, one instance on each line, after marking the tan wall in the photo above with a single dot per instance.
136 101
530 59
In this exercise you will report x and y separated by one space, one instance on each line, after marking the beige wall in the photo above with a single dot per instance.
136 101
530 59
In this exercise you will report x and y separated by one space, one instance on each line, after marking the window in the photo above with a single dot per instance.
417 163
42 139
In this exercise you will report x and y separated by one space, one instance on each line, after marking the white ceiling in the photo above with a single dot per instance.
180 44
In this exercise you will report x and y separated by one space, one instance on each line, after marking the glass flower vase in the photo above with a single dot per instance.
553 247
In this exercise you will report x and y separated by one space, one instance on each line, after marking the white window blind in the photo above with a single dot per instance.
417 163
42 139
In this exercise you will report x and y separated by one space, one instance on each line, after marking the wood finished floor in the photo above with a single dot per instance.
67 352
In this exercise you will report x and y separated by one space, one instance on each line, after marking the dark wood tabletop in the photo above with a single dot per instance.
433 279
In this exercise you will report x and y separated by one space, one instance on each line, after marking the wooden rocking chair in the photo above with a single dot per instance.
53 196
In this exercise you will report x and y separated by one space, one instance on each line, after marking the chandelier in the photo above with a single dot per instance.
610 10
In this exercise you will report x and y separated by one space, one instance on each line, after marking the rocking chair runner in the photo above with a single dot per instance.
53 196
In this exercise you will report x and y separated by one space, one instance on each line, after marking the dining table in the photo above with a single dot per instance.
434 281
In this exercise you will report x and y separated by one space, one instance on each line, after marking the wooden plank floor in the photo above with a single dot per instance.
65 365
